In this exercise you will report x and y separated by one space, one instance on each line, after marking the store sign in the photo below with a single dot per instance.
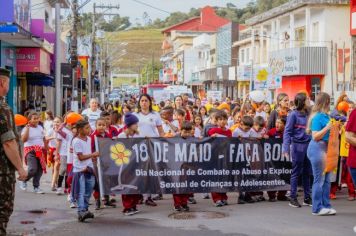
285 62
232 73
353 17
33 60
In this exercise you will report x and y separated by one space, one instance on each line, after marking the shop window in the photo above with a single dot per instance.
242 56
315 87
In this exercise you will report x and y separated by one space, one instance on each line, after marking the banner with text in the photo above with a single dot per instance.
177 165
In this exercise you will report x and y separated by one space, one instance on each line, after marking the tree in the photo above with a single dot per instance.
146 72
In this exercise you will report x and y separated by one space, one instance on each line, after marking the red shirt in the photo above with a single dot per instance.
96 134
113 132
351 127
218 130
273 133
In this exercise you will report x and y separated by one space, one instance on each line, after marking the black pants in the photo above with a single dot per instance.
7 196
34 169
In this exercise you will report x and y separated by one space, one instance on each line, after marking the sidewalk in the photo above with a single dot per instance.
262 218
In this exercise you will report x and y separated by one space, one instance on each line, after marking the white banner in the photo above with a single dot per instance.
214 95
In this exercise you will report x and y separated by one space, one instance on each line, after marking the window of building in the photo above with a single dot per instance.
248 58
300 36
315 36
242 55
46 17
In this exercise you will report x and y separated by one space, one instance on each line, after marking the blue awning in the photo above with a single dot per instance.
39 79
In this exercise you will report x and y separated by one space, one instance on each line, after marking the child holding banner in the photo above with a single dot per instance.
277 133
83 169
220 199
181 200
100 132
130 201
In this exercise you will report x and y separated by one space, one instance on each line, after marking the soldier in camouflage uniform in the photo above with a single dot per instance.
10 159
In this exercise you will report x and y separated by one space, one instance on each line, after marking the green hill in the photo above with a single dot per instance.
141 47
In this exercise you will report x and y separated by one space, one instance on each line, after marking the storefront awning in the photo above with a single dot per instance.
39 79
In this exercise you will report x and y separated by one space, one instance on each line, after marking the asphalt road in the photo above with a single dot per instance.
263 218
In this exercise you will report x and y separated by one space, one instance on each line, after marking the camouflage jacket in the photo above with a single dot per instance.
7 132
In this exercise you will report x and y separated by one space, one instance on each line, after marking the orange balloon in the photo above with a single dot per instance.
73 118
343 106
20 120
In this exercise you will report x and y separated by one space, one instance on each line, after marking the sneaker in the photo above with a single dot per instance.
332 196
135 210
69 199
249 199
225 202
129 212
177 208
73 205
343 185
272 200
219 203
240 201
38 191
283 199
157 197
261 198
109 204
185 208
307 202
322 212
23 185
294 203
97 204
59 191
53 189
113 200
351 198
191 200
206 196
332 211
81 216
150 202
90 215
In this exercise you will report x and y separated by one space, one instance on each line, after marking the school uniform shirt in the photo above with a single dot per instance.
198 132
35 137
48 126
81 146
113 132
69 144
52 143
167 128
351 127
241 134
147 125
257 134
92 116
221 132
63 149
263 114
273 133
124 135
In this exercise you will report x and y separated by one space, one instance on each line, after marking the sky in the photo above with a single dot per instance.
134 9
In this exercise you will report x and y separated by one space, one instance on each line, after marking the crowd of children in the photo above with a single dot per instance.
68 148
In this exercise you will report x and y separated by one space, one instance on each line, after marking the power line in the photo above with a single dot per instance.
153 7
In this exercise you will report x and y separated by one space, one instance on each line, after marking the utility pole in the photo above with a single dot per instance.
58 79
74 50
92 66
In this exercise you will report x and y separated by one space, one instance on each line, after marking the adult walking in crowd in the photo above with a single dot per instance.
10 159
281 109
295 144
93 112
149 125
319 125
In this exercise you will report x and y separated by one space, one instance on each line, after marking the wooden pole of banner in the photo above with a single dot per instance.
101 184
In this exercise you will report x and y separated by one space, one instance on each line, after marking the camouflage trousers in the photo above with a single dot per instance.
7 195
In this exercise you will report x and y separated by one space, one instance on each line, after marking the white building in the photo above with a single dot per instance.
304 42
